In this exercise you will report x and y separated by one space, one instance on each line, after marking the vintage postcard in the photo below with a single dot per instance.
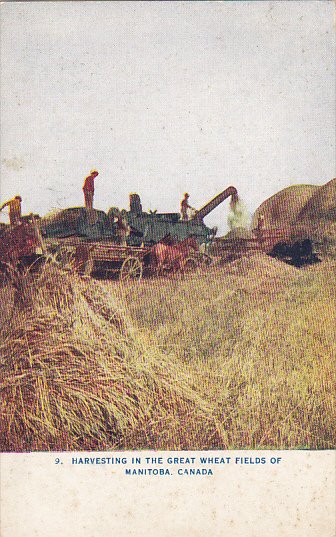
167 269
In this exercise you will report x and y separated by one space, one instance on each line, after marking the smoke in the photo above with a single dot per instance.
238 215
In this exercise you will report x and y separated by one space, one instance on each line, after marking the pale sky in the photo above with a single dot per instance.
163 98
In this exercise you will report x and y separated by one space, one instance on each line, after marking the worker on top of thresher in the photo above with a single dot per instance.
14 206
88 188
185 206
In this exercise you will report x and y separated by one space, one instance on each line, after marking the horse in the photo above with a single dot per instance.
172 256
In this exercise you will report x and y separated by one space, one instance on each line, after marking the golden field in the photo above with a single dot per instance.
235 356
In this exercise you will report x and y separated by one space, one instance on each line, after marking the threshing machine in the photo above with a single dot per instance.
144 228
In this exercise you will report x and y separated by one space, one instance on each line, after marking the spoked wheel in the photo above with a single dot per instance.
131 269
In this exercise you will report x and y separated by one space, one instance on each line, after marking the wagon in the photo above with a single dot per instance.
87 257
129 262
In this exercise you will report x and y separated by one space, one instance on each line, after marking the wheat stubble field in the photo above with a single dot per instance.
235 356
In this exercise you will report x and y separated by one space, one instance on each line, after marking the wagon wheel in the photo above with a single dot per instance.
131 269
190 264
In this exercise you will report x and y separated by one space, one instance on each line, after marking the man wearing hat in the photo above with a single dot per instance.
88 189
184 207
14 206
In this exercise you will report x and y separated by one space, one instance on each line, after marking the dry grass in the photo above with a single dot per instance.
257 337
77 375
239 356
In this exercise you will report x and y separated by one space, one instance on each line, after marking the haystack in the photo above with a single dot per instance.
282 209
318 217
320 207
306 210
77 375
